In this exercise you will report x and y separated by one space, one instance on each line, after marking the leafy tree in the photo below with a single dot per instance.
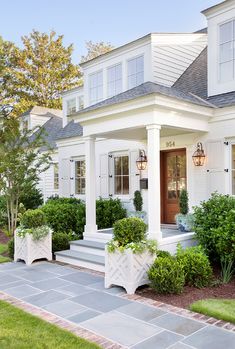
20 162
96 49
39 72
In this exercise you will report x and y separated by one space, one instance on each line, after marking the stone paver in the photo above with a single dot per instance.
77 300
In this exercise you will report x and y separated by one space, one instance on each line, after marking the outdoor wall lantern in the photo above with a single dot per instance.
142 160
199 155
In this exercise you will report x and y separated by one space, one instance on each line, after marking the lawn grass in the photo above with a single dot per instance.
3 248
21 330
222 309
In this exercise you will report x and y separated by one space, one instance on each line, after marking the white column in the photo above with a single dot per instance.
91 226
154 191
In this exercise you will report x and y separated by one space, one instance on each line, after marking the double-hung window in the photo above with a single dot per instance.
96 87
227 51
121 174
80 102
80 177
56 176
71 106
135 68
114 80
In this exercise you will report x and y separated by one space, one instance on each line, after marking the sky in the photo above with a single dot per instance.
114 21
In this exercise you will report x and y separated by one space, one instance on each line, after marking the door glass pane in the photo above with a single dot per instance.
125 165
125 185
118 185
117 165
176 175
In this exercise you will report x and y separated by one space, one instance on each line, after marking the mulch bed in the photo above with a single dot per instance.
3 238
190 294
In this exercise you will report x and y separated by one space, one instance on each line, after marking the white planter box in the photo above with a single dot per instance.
127 269
28 250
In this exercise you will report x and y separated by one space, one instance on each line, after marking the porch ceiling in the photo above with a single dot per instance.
140 133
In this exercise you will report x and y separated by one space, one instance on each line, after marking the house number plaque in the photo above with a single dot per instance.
170 144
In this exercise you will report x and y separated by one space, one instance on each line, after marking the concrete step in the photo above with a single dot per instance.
88 246
81 259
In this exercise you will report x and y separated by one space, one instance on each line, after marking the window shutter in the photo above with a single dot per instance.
65 177
216 172
134 173
104 175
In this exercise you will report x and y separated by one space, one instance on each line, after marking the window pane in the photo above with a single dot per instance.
95 87
125 165
111 89
226 52
132 67
131 81
226 32
118 185
117 165
139 64
139 78
125 185
71 106
118 87
226 71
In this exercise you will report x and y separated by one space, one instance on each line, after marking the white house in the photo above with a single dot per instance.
164 94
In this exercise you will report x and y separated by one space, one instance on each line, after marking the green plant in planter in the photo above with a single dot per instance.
138 200
184 219
131 233
33 222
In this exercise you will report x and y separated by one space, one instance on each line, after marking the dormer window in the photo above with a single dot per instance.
80 102
226 51
135 71
114 80
96 87
71 106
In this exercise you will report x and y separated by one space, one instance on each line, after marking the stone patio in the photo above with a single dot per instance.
80 298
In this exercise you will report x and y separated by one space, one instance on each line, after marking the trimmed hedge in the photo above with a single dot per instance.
166 275
214 226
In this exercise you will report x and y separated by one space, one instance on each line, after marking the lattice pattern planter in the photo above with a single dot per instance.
127 269
28 250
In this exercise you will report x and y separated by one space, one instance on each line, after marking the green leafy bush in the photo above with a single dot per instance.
183 202
108 212
129 230
167 275
60 242
10 247
33 218
214 225
161 253
65 215
31 197
196 266
138 200
3 212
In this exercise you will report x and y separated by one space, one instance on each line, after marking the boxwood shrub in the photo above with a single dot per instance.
129 230
214 226
166 275
108 212
33 218
60 241
196 266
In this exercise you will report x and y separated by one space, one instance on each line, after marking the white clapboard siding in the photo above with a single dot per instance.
104 176
65 177
170 61
134 173
216 174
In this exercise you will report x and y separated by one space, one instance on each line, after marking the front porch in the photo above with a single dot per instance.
91 253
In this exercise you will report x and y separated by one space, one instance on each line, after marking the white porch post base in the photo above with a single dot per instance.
154 199
90 226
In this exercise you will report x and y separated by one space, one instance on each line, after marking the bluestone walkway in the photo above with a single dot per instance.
80 298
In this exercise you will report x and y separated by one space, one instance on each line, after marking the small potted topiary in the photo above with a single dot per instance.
138 204
129 255
184 219
33 237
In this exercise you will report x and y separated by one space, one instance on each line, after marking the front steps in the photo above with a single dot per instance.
84 253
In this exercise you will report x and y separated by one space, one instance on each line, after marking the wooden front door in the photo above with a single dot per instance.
173 180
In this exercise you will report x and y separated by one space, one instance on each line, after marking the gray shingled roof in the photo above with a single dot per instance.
51 128
145 89
43 111
72 129
194 79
